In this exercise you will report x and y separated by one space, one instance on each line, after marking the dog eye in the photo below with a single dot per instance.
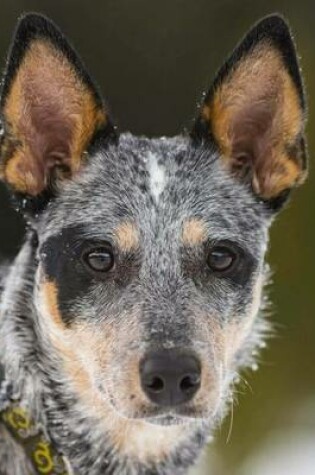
100 259
221 259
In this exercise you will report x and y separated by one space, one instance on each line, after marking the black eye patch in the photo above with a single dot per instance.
60 257
77 262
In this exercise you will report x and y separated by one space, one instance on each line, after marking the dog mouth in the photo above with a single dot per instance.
183 414
167 416
171 419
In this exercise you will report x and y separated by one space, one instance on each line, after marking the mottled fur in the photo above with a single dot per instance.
72 344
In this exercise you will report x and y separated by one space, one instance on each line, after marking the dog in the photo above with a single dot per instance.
136 298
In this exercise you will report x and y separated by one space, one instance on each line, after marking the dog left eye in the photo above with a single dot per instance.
221 259
100 259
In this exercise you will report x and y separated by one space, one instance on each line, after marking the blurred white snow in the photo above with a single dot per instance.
288 450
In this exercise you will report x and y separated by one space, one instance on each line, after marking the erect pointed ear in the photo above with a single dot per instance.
51 111
255 112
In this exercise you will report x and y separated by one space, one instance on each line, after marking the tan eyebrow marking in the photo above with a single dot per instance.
127 236
194 232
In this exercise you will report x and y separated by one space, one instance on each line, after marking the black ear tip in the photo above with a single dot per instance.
275 20
30 26
31 19
273 26
34 24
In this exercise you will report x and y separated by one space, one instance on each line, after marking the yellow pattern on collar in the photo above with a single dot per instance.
37 447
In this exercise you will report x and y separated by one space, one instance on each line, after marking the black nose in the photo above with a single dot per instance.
170 378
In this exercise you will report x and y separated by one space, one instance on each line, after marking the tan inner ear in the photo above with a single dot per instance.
50 116
260 89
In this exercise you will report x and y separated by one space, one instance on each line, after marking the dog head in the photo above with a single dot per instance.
151 251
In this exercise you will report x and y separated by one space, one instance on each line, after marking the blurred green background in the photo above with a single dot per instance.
153 59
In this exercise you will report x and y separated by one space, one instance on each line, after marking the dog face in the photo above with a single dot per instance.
151 252
134 269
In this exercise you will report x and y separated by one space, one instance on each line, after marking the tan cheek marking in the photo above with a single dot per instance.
127 236
64 95
67 341
261 77
122 369
50 293
75 366
230 338
194 232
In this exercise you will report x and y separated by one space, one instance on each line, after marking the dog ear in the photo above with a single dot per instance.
51 112
255 112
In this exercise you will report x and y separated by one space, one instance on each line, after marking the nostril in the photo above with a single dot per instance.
156 384
189 383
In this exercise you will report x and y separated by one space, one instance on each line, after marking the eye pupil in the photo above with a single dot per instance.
221 259
100 260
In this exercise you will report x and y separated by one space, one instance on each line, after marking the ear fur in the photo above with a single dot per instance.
255 112
51 111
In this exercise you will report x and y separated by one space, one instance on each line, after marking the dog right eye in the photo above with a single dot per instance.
100 259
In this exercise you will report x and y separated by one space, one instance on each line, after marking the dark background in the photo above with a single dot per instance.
153 59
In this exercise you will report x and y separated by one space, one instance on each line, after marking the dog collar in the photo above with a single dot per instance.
38 448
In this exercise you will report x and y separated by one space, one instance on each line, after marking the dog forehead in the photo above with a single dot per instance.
165 184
